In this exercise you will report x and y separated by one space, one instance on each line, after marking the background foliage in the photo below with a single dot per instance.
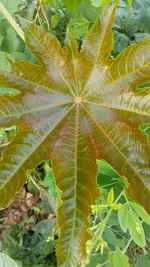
31 241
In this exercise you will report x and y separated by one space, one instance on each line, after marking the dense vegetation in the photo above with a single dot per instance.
76 102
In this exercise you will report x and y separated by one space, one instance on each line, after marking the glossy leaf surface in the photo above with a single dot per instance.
76 107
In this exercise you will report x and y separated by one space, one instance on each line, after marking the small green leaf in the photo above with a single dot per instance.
54 21
110 198
12 6
72 5
110 178
136 229
78 27
119 259
32 188
123 217
98 3
110 237
116 207
96 259
141 212
106 169
111 262
4 65
98 207
45 226
121 41
49 203
11 41
49 180
143 261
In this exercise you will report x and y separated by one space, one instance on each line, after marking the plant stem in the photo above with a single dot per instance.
45 16
128 244
35 183
10 19
99 232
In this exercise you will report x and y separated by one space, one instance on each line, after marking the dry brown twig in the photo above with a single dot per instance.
40 7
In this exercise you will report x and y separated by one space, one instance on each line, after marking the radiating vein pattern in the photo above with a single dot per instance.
130 68
37 102
27 150
128 145
49 52
75 107
131 106
72 164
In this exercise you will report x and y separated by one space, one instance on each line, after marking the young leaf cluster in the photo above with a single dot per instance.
128 216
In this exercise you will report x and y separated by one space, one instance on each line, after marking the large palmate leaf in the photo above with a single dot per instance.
76 107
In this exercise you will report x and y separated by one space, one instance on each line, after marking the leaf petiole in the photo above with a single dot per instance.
11 20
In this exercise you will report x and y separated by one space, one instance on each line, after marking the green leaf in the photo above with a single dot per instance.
110 178
75 107
143 261
45 227
4 65
32 188
106 169
1 39
12 6
96 259
110 237
110 197
123 217
98 3
11 42
72 5
49 180
136 229
49 203
116 207
119 259
6 261
54 21
88 11
121 42
141 212
31 246
146 230
99 207
78 27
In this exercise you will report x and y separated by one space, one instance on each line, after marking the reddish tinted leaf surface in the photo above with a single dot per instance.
76 107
